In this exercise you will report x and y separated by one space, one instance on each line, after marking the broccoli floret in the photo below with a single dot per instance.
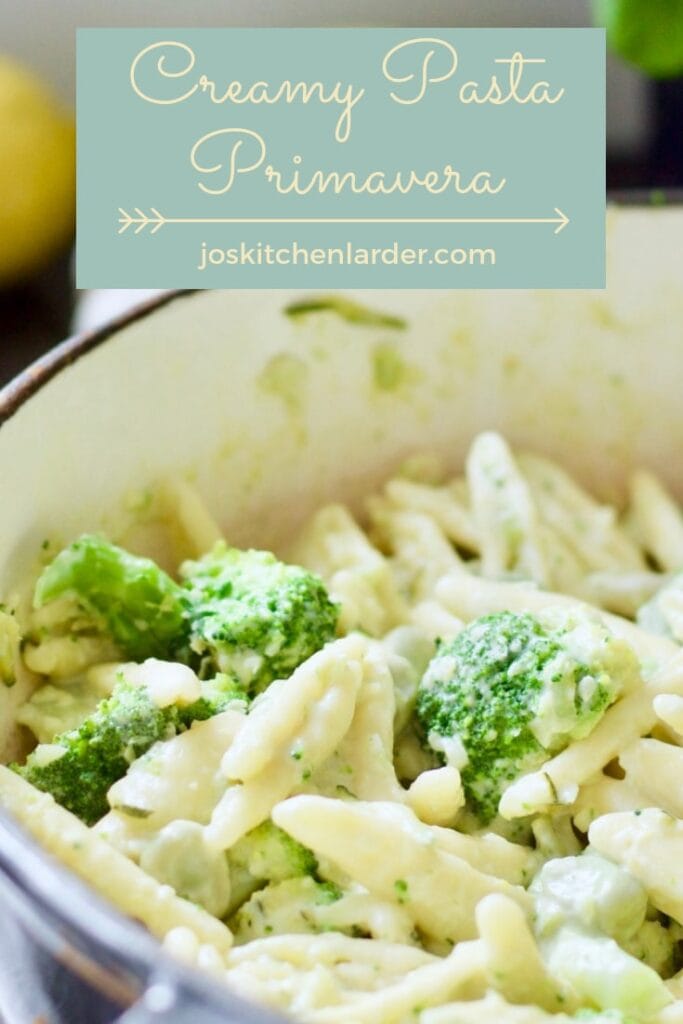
79 766
657 946
129 598
217 695
290 907
266 854
240 613
510 690
254 617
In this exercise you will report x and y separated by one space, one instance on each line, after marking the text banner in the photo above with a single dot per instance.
277 158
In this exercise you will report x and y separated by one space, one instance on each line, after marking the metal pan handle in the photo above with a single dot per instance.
162 1001
185 1002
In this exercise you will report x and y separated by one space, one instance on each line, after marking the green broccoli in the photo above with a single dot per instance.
656 945
267 854
217 695
241 613
293 906
510 690
255 617
129 598
79 766
270 853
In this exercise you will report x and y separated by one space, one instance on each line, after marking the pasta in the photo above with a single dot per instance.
113 874
307 714
513 958
509 532
366 838
657 520
439 889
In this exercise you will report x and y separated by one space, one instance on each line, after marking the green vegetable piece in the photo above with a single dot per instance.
80 766
508 692
657 946
647 33
179 857
241 614
52 710
586 910
254 617
242 618
390 371
602 974
292 906
401 890
268 853
347 309
217 695
129 598
9 647
591 891
596 895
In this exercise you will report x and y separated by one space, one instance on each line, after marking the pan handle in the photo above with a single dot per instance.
169 1000
163 1001
77 932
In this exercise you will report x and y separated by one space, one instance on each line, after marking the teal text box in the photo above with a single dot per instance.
327 158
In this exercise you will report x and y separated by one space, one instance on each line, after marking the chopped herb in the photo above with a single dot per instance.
133 812
352 312
401 890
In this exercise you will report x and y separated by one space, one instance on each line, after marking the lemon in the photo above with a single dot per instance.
37 173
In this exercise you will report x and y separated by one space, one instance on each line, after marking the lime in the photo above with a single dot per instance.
647 33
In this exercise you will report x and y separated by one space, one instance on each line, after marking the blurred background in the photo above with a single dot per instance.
37 72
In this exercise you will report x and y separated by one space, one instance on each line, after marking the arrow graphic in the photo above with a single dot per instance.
142 220
155 220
